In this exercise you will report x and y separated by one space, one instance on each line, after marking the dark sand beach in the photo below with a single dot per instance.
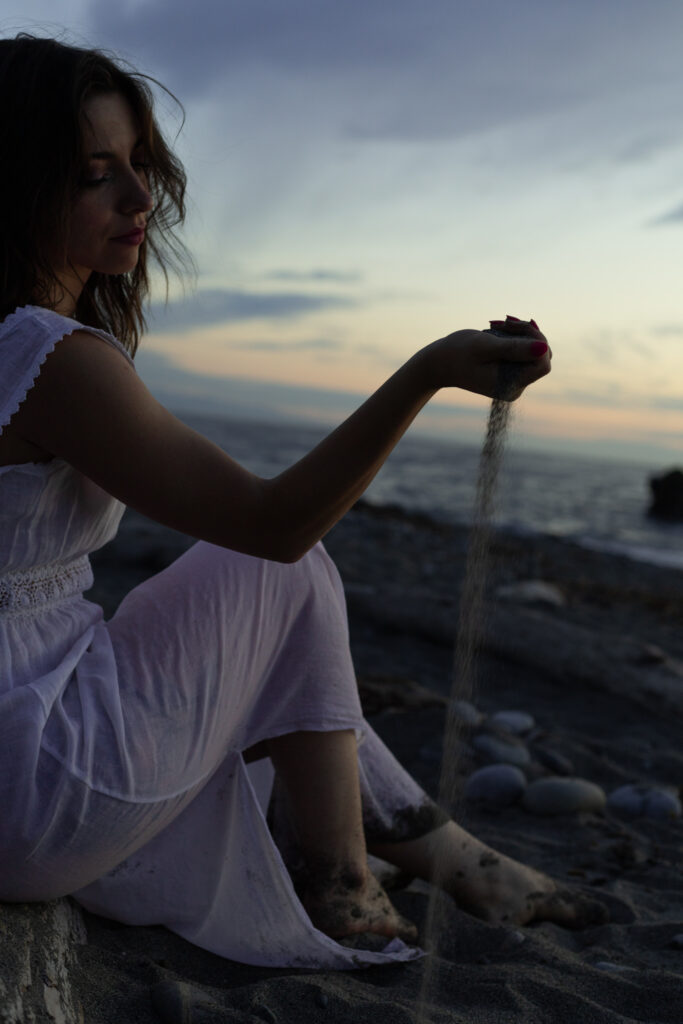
598 664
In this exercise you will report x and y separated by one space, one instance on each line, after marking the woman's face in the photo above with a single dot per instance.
110 212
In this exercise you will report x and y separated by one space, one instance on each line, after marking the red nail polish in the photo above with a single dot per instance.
497 323
534 324
538 348
515 318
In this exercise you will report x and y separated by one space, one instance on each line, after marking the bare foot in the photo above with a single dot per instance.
487 883
503 891
348 903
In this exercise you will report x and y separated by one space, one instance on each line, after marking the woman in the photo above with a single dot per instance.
124 745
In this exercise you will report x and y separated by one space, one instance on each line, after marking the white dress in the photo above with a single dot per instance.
122 779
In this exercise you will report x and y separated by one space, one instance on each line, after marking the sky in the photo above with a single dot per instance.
365 177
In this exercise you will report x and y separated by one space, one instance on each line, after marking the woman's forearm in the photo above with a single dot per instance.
313 494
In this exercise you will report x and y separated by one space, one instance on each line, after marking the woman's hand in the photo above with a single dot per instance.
498 363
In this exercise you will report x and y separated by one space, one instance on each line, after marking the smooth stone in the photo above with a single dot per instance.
322 1000
497 785
517 722
662 804
557 763
638 800
627 800
466 713
563 796
532 592
501 750
677 941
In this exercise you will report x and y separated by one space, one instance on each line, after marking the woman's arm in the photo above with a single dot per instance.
90 408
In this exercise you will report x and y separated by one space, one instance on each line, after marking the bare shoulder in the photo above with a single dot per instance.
90 408
82 381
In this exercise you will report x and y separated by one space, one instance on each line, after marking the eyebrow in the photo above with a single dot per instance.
107 155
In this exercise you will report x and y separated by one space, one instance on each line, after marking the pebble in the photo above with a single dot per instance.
677 941
466 713
497 785
517 722
557 763
532 592
662 804
322 1000
499 749
638 800
627 800
563 796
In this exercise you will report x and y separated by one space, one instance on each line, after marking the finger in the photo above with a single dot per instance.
517 349
512 325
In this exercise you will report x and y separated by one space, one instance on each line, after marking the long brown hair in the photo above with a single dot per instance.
44 85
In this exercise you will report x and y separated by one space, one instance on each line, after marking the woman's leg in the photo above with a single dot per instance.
336 811
319 773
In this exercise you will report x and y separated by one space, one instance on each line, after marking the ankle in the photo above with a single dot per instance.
330 875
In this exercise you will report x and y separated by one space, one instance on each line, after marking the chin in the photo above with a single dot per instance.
114 268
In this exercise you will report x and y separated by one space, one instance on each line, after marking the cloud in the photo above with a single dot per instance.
307 344
611 398
229 305
328 276
669 403
404 70
674 216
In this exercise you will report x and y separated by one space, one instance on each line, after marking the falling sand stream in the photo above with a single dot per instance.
471 630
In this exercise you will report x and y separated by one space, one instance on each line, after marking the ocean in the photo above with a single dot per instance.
594 503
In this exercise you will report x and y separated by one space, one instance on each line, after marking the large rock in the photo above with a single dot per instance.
37 951
667 495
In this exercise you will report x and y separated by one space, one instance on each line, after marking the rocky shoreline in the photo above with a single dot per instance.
589 647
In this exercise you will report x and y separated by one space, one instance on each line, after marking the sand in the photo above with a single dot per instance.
602 677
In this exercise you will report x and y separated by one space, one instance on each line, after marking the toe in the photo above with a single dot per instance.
568 908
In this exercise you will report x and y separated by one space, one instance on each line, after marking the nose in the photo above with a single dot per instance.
137 197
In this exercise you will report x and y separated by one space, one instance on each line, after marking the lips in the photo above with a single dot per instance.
134 237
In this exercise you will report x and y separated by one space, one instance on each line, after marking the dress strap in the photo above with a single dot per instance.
27 337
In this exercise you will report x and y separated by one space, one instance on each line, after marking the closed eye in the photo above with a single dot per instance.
140 166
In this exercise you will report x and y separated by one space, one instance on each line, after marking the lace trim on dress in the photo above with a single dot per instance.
73 325
39 586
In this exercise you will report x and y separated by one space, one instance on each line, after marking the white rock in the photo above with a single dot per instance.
563 796
497 785
532 592
517 722
499 750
